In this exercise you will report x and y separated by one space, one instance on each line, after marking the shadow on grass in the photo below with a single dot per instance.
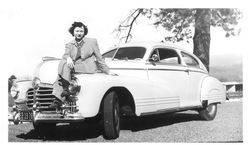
65 133
155 121
89 131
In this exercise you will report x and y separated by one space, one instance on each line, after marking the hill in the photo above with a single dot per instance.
227 67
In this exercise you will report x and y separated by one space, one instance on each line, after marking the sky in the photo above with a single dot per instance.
40 28
31 29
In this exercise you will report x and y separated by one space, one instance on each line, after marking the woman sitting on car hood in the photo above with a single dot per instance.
81 55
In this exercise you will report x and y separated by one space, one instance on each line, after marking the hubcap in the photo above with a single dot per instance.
211 109
117 118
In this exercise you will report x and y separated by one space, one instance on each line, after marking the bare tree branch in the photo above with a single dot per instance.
128 23
124 26
131 24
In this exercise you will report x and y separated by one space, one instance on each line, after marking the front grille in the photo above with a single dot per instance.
42 95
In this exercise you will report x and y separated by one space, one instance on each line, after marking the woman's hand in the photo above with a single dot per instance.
70 62
112 74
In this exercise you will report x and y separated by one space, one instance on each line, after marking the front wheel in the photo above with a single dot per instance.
111 116
209 112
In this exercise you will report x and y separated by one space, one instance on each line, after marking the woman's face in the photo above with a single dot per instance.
79 33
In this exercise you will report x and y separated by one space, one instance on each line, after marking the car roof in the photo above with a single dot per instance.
149 45
152 45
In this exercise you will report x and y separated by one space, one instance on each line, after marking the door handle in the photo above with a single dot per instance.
187 70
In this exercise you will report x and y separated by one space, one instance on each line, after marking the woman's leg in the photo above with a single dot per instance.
59 86
64 70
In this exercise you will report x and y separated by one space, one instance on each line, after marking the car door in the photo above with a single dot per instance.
169 76
195 77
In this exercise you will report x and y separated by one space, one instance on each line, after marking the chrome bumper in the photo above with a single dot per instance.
49 118
58 118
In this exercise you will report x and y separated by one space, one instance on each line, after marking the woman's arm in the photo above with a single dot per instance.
67 51
100 61
67 57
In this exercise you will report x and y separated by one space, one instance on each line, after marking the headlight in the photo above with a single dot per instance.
36 81
74 88
14 91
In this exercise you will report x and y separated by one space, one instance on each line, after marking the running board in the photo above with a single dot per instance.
162 111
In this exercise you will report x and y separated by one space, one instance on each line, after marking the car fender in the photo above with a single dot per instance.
212 91
22 86
95 86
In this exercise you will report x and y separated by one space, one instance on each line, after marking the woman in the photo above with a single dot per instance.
81 55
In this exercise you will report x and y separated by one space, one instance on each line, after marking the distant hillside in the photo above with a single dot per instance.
226 67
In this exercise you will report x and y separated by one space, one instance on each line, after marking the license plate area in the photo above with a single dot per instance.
26 115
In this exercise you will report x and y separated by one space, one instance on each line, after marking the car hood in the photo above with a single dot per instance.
124 64
47 71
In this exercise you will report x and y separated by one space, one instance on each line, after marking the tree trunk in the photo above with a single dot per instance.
201 38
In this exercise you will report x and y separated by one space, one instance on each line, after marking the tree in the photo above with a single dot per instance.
182 23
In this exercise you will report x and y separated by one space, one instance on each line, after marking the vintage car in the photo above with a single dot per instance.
17 99
147 78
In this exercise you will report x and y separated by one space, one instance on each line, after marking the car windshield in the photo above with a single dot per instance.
109 54
130 53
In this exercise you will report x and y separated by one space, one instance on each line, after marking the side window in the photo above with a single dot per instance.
189 60
130 53
109 54
168 56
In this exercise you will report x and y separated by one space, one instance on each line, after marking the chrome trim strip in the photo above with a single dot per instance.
160 69
155 101
45 99
127 68
155 98
159 103
154 69
42 95
177 109
46 85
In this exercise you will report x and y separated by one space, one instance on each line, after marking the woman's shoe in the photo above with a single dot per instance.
56 104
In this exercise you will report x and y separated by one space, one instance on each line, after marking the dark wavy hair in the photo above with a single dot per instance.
78 24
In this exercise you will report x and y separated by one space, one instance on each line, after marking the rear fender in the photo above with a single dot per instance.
212 91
